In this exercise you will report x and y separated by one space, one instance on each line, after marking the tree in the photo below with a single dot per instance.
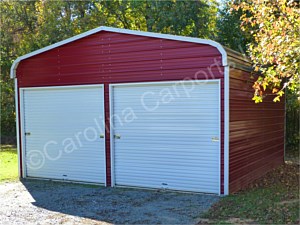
292 121
191 18
229 32
275 27
13 21
29 25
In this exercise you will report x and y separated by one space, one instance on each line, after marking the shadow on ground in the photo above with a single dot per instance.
119 205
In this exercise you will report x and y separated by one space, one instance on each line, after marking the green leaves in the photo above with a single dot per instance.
29 25
275 49
257 98
229 32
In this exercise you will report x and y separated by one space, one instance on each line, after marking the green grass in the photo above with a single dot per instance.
274 199
8 164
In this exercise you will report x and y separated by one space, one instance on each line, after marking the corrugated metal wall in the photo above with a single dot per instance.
256 132
108 57
111 57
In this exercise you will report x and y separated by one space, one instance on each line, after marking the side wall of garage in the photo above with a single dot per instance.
256 132
108 57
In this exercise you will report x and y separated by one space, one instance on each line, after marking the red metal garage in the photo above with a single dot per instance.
130 108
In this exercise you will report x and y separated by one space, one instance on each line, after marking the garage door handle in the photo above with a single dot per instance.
27 133
215 139
101 135
117 136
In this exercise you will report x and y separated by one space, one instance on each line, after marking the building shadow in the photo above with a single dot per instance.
118 205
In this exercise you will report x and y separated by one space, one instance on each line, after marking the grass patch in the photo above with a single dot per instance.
273 199
8 163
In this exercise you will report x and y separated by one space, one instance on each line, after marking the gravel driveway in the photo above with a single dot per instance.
46 202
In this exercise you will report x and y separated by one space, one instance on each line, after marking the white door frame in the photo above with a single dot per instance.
111 110
22 118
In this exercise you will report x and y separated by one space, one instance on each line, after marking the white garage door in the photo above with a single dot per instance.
63 133
166 135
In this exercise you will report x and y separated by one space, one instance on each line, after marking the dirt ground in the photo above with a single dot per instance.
46 202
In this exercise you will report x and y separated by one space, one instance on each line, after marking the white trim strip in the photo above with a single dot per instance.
21 92
123 31
226 130
63 86
17 126
220 137
164 82
284 128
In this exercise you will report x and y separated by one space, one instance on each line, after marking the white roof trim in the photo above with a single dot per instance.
123 31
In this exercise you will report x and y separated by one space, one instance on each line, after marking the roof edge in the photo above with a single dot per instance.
123 31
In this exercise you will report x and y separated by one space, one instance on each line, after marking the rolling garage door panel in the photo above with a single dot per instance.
64 125
168 136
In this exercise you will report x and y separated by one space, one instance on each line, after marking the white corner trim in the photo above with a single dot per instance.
123 31
284 129
226 130
17 127
22 132
220 133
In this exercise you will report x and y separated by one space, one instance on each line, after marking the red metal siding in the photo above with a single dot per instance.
107 57
107 135
256 142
